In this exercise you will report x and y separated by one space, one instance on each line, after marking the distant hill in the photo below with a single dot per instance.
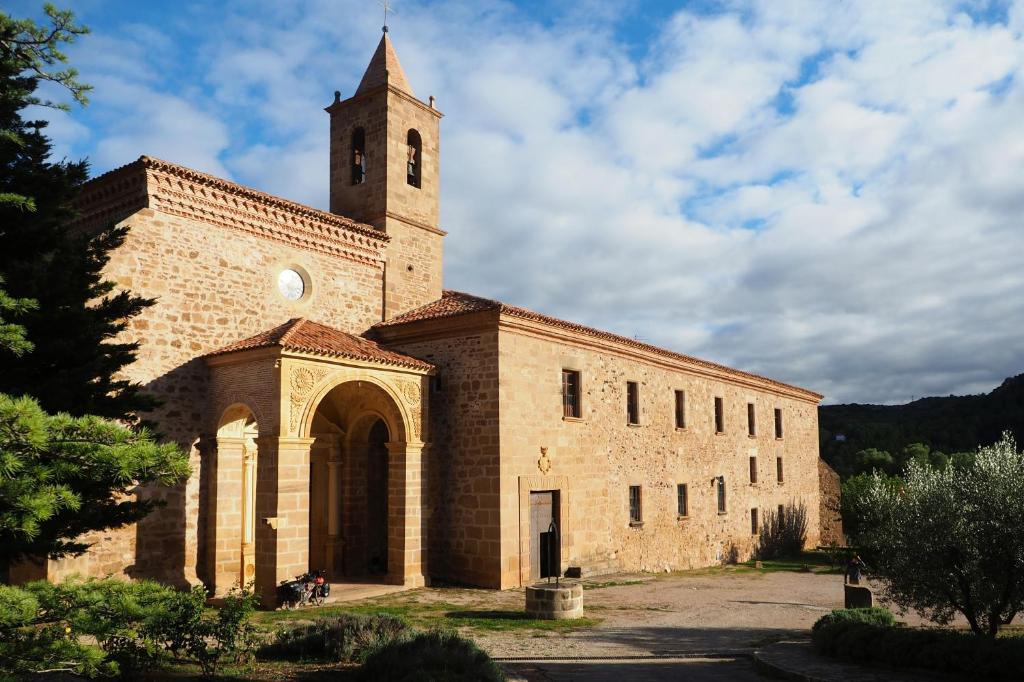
953 424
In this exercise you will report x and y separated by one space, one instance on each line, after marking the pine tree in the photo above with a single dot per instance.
75 363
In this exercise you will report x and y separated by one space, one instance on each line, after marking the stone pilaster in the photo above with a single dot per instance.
282 512
407 540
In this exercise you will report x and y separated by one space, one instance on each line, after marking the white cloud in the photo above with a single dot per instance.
875 147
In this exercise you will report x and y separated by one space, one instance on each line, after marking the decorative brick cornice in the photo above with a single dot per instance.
177 190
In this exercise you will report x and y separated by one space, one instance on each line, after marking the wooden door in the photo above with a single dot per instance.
543 510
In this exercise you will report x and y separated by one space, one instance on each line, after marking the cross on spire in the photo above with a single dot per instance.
387 8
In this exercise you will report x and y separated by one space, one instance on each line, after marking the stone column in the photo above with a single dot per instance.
406 530
224 523
282 512
333 514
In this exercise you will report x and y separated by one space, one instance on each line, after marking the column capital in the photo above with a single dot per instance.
285 443
406 448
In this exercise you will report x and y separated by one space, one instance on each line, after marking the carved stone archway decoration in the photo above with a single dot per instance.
302 382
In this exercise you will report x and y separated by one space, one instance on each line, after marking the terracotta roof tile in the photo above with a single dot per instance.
455 303
303 335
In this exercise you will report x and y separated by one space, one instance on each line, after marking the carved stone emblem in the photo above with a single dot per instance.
302 382
411 392
544 463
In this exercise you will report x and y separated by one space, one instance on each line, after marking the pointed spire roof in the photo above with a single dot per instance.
384 69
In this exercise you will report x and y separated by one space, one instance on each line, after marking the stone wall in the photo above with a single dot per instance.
594 460
213 285
464 454
831 492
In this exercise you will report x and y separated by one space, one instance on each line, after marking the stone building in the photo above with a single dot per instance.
344 411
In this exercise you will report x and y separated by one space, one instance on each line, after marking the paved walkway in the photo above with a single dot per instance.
635 670
798 661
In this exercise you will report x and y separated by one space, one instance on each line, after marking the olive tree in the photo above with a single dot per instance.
950 540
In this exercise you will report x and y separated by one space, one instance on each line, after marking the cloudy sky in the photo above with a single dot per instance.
829 193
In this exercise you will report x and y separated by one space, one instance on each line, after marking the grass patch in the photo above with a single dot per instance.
427 615
610 583
503 621
816 562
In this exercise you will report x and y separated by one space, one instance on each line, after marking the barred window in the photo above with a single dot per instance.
751 420
632 403
778 468
634 504
721 494
719 416
753 469
682 508
571 394
778 422
680 409
753 521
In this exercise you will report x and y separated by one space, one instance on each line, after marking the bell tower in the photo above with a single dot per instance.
385 171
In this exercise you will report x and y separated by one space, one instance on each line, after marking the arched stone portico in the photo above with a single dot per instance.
326 421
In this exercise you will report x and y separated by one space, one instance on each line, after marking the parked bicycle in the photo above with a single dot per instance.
310 588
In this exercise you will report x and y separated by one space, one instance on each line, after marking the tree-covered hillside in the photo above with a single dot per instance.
952 424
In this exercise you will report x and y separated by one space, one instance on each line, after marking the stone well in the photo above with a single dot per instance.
552 601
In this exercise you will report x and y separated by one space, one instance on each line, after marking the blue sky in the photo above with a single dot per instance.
829 193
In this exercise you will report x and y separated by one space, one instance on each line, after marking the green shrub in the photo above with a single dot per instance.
116 628
344 639
871 635
435 656
783 535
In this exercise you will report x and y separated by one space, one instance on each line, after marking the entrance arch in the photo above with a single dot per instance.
365 492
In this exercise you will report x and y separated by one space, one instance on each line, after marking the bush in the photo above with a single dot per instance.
437 655
134 625
345 639
871 635
783 535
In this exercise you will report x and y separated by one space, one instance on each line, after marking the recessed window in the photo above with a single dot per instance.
782 513
753 469
435 384
680 409
751 420
635 511
753 521
632 403
571 394
682 504
719 416
358 158
778 469
414 163
778 422
720 485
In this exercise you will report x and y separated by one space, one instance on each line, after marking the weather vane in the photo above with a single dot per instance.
387 8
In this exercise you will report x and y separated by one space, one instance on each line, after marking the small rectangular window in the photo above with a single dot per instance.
778 422
680 409
753 521
753 469
681 502
571 394
634 504
782 513
435 384
721 494
778 469
632 403
751 420
719 416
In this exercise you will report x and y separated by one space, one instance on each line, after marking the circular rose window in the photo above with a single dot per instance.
291 284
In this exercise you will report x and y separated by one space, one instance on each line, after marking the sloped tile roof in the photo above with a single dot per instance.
455 303
300 334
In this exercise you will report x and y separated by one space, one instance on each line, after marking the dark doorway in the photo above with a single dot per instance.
377 500
543 511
